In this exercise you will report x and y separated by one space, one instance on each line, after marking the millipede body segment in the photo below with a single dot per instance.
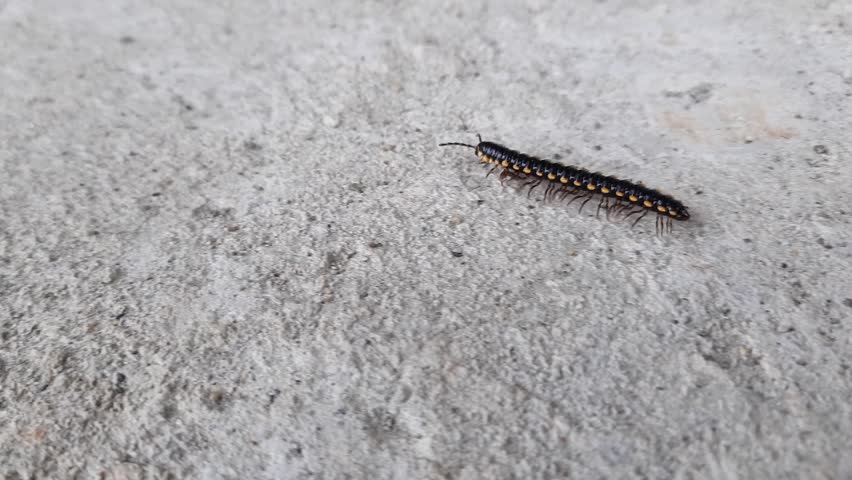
617 196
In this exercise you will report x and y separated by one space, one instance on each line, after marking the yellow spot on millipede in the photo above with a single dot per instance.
672 213
528 170
661 208
633 198
619 194
505 163
551 176
563 179
604 190
591 186
516 166
577 183
648 203
540 174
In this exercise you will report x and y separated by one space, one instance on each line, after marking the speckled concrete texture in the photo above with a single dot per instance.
231 248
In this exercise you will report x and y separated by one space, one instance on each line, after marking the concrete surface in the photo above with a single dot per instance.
230 247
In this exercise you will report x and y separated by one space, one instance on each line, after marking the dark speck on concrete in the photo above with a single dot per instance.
697 94
208 211
252 145
169 411
379 424
821 149
120 383
825 244
215 399
273 395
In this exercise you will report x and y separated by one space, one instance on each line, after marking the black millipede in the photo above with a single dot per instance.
617 196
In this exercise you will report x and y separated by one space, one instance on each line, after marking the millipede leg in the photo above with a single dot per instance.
613 208
547 190
503 176
598 212
554 192
534 184
565 191
584 204
640 218
624 207
492 170
508 175
575 198
632 212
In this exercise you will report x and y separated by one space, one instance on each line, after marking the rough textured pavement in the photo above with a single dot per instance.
230 247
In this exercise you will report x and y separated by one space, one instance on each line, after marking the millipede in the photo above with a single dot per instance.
617 197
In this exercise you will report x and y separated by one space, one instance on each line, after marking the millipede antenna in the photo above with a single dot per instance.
456 143
478 136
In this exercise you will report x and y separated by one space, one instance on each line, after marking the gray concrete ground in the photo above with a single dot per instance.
230 247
